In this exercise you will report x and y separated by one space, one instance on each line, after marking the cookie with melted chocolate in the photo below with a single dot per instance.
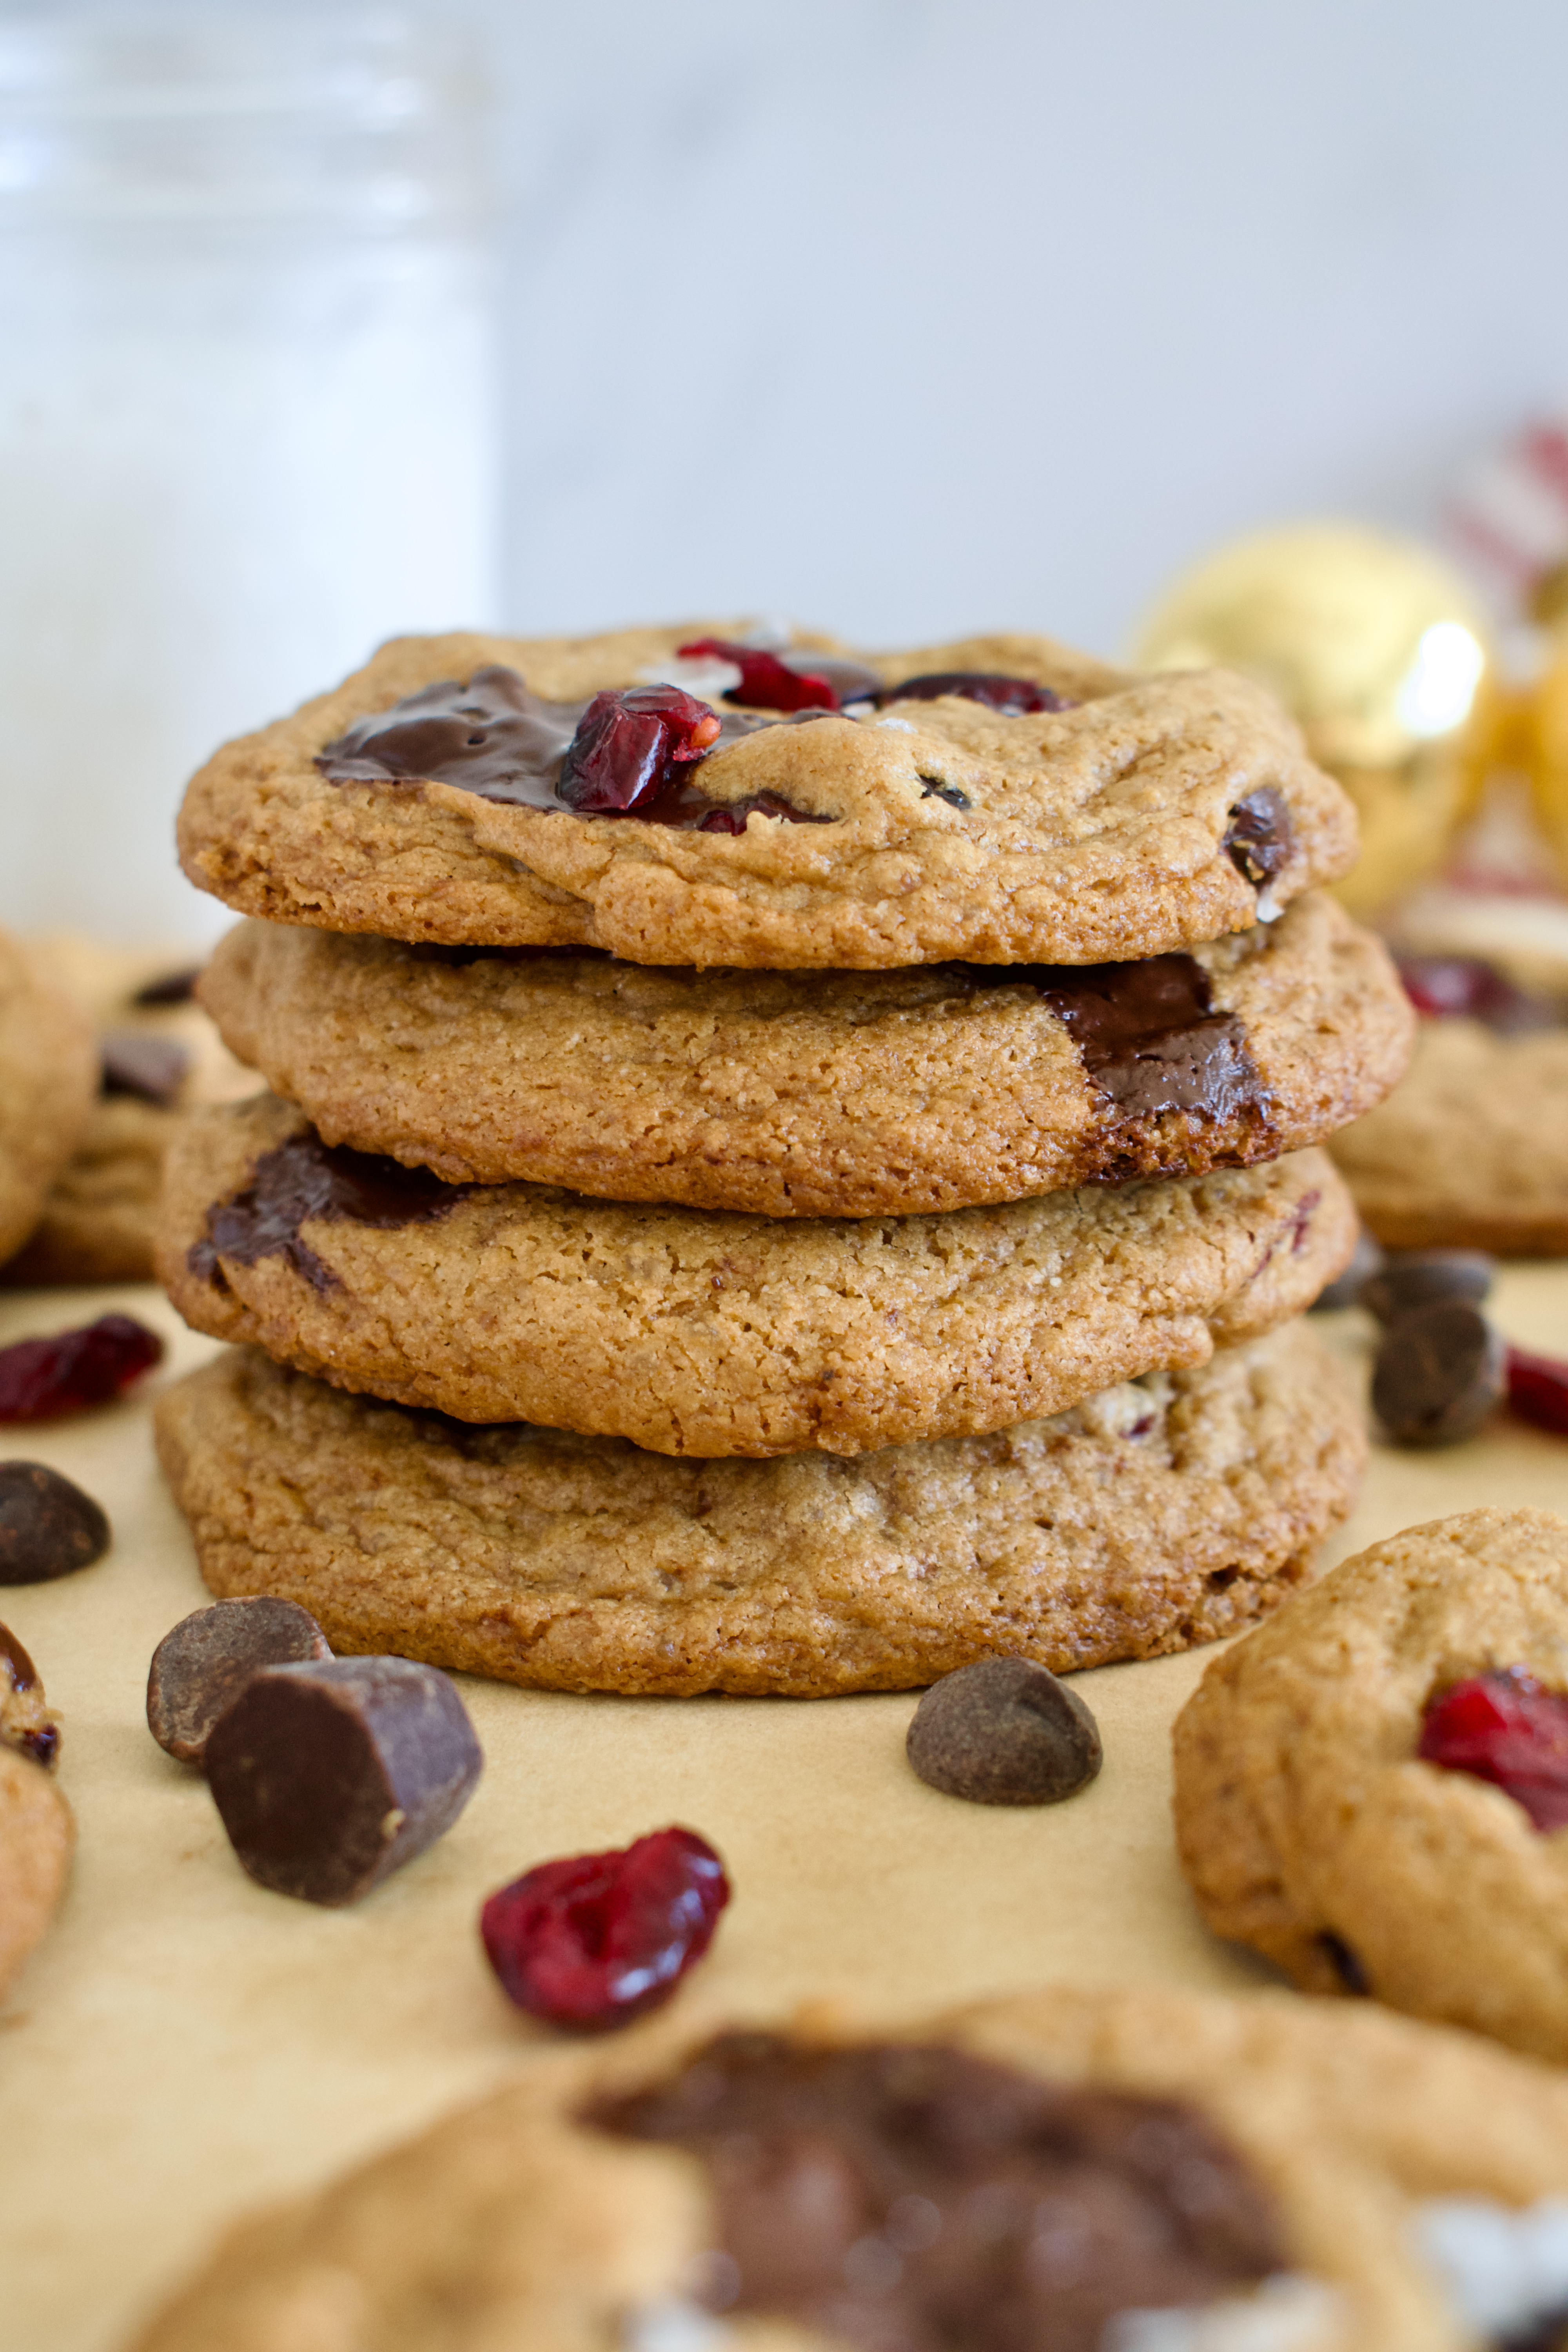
1021 804
819 1094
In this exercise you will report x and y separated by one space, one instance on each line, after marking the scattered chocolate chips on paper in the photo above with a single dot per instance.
331 1775
202 1665
49 1528
1409 1279
1003 1732
1438 1372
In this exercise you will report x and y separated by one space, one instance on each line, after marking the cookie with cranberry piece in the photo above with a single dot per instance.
49 1071
1017 803
1367 1788
710 1332
820 1094
1072 2169
1471 1150
1168 1511
157 1052
37 1831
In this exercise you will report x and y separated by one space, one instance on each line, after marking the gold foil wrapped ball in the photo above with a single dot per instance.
1381 653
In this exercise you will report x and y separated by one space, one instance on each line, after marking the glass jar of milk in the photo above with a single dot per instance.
248 407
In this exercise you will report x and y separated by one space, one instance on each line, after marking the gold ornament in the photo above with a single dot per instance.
1382 654
1547 751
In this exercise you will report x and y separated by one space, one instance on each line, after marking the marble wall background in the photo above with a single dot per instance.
911 315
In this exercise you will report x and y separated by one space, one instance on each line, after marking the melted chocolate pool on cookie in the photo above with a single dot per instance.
901 2195
305 1180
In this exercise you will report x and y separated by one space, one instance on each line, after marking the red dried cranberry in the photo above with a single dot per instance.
40 1378
1538 1390
626 746
1509 1729
1446 988
1015 698
597 1938
766 683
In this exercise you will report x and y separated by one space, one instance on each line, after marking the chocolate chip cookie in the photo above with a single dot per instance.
1001 801
37 1831
1322 1816
1169 1511
1126 2170
820 1094
48 1073
708 1332
1471 1150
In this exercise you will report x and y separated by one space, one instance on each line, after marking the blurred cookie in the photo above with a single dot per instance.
1166 1512
1091 817
48 1070
37 1833
1471 1150
1316 1821
820 1094
1146 2169
698 1332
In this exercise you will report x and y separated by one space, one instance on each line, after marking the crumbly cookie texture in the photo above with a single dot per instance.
1167 1512
1090 835
1307 1820
1471 1150
700 1332
48 1078
796 1094
98 1217
516 2221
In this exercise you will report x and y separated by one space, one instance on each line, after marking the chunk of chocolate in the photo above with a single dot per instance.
1003 1732
200 1667
330 1777
152 1068
1345 1963
1259 840
905 2195
303 1182
1412 1278
1151 1039
1439 1371
49 1528
1345 1290
25 1723
1011 697
171 988
493 736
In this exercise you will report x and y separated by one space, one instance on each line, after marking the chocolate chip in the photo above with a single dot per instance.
1345 1963
201 1666
301 1182
1439 1371
330 1777
1003 1732
1412 1278
47 1527
173 988
152 1068
1259 840
1345 1290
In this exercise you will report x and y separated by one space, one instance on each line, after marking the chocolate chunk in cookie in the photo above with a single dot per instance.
331 1775
49 1528
1439 1371
201 1666
1005 1732
27 1725
300 1182
152 1068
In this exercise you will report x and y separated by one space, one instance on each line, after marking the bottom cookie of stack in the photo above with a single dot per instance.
1164 1513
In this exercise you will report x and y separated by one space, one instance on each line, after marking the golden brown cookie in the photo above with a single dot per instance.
704 1332
1471 1150
48 1075
1149 815
1169 1511
37 1833
1306 2180
1311 1828
819 1094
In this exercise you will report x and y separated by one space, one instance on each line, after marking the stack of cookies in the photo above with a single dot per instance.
785 1172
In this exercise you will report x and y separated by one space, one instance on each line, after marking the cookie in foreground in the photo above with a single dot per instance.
48 1075
38 1829
1115 817
1369 1788
1134 2171
1170 1511
800 1094
703 1332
